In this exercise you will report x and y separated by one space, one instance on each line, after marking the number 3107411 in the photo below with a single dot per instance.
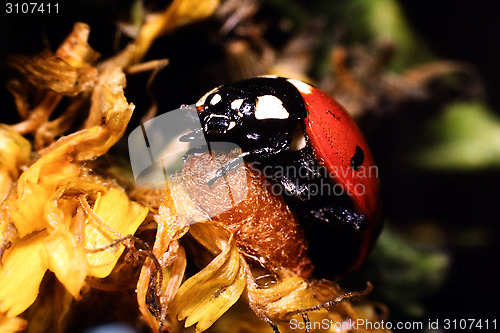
31 8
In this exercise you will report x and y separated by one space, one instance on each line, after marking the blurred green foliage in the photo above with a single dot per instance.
407 272
465 136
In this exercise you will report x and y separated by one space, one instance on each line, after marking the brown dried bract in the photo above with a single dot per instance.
50 71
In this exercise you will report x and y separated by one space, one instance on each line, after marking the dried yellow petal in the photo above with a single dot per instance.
171 257
207 295
14 153
122 216
108 119
21 273
14 150
47 71
27 210
36 186
182 12
178 13
67 259
8 325
75 49
67 72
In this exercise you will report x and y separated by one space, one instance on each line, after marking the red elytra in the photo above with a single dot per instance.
334 137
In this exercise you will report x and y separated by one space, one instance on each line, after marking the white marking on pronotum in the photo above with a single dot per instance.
231 125
236 104
270 107
216 99
203 99
301 86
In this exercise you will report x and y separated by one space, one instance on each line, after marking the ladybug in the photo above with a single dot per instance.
307 145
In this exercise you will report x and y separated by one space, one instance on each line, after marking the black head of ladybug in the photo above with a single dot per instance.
284 126
250 113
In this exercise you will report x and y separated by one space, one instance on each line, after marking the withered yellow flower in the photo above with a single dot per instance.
59 250
45 209
14 153
59 218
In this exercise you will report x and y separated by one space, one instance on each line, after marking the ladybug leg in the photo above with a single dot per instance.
281 143
191 136
311 186
235 162
307 322
292 187
336 300
270 323
194 151
221 172
334 214
298 181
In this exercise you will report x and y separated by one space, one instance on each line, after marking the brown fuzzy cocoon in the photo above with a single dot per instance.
265 229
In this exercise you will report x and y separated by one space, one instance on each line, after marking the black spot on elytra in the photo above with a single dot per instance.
358 158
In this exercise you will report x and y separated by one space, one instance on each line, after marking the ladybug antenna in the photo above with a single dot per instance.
307 322
330 303
269 322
